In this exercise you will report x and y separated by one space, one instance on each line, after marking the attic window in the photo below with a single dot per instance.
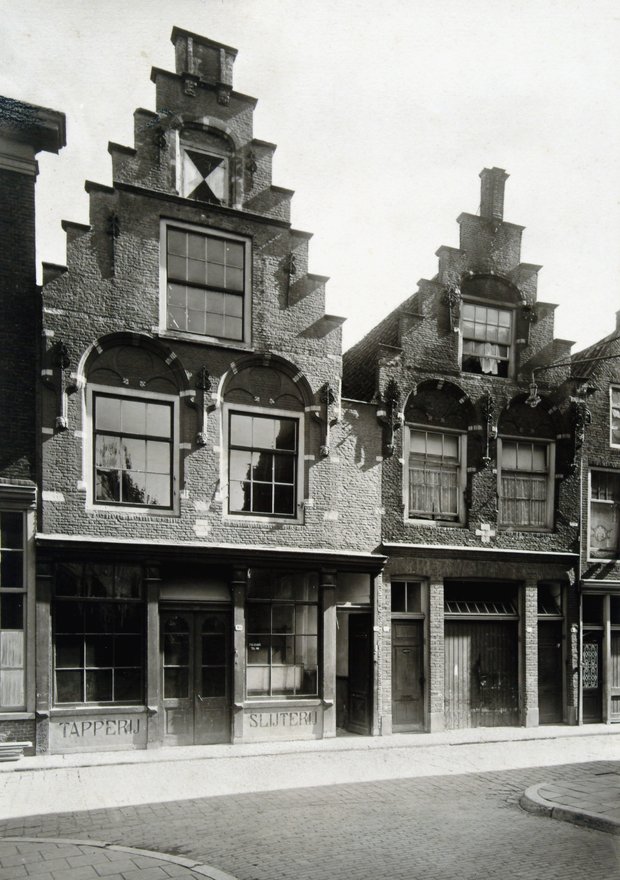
487 339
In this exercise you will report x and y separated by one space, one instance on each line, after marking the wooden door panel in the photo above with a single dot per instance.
591 676
407 675
550 686
360 690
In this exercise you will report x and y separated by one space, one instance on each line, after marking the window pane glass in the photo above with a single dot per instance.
68 617
216 303
176 319
176 683
258 618
240 430
215 325
216 275
434 444
133 488
69 686
107 451
418 441
509 454
157 457
133 454
11 530
11 611
468 311
107 413
107 486
258 649
240 496
216 250
128 581
284 469
285 434
98 685
306 619
177 267
233 305
157 491
177 241
11 648
263 433
604 530
450 446
524 457
133 417
257 681
12 688
176 649
127 650
99 580
234 254
98 651
262 466
213 650
240 464
197 247
158 418
233 328
398 596
177 296
69 651
283 617
128 685
214 682
12 569
196 272
234 279
262 498
539 458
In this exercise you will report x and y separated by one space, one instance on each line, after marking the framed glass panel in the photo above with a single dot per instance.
434 475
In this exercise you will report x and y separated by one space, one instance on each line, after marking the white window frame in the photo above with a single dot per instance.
27 613
599 501
613 389
511 347
299 474
461 436
88 467
550 458
164 330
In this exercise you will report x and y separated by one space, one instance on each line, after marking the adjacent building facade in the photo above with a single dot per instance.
241 536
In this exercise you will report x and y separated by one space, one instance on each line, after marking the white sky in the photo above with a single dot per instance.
384 112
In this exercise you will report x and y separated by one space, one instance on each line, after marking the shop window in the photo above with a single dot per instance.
204 176
12 611
206 280
435 475
263 464
132 451
604 514
282 634
487 339
614 415
98 624
614 610
525 477
406 597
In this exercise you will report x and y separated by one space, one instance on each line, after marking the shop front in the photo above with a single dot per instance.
182 650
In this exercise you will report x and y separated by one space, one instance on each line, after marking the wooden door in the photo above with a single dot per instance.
614 670
550 685
196 677
360 687
481 673
407 675
592 676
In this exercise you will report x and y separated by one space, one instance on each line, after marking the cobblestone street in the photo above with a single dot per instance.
465 826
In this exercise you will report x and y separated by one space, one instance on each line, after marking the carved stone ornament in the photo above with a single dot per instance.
203 386
487 408
390 415
453 299
329 415
57 379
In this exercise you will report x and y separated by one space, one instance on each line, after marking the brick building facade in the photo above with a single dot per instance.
242 535
480 489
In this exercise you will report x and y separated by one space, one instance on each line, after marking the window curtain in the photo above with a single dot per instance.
524 499
433 490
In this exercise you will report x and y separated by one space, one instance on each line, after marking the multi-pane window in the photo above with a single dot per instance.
487 337
604 514
263 455
524 484
98 618
614 416
133 451
406 597
12 611
205 283
282 634
434 475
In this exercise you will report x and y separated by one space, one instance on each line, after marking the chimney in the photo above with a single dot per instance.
203 60
492 193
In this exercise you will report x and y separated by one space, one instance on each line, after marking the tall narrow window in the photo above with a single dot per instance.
604 514
614 415
12 611
434 475
524 484
205 283
282 634
263 465
98 617
133 451
487 338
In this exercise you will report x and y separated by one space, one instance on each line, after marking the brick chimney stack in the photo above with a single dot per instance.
492 193
204 61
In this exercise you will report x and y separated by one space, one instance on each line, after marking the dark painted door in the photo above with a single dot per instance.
360 687
481 673
407 675
592 676
550 710
196 676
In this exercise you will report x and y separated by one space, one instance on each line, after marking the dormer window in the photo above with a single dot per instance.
487 339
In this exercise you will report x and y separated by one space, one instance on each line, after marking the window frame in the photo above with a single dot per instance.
26 610
614 389
246 296
232 408
590 551
509 360
461 479
89 465
549 446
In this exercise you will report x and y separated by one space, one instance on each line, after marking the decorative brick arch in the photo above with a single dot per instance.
440 403
132 360
271 378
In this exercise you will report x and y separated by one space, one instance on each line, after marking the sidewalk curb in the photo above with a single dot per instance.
533 802
199 868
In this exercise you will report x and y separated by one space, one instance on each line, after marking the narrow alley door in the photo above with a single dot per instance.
592 676
360 680
196 677
407 675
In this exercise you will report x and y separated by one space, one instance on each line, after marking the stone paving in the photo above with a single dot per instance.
445 818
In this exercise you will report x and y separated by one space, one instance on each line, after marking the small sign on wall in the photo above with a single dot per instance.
97 733
283 724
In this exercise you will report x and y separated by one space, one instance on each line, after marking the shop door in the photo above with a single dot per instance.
550 672
592 676
360 688
481 673
407 675
196 677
